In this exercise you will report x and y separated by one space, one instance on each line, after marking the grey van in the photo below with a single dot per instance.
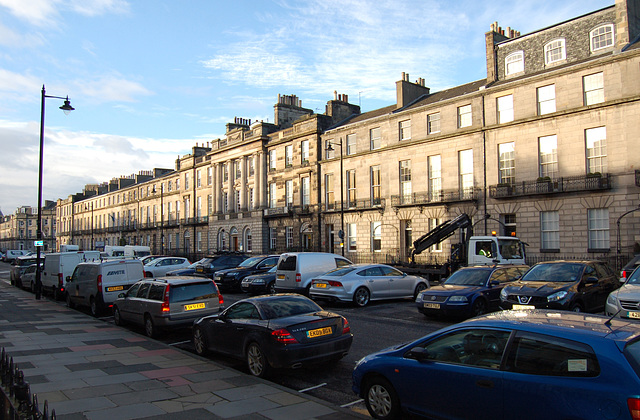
167 302
297 269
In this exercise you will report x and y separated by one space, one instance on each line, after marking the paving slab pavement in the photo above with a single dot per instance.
88 369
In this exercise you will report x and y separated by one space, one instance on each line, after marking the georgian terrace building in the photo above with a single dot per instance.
544 146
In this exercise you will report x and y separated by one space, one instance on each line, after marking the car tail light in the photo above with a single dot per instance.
165 303
60 280
298 278
346 329
220 299
334 283
283 336
99 281
634 407
144 274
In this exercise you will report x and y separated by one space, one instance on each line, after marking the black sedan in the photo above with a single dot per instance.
570 285
258 284
274 331
231 278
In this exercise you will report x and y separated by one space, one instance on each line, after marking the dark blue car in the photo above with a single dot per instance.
535 364
470 291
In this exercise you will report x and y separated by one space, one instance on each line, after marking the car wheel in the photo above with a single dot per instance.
577 308
479 307
381 400
361 296
271 288
257 361
95 308
117 317
70 303
419 289
149 327
200 342
148 274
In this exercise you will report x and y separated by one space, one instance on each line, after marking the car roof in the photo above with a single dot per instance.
263 298
563 323
180 279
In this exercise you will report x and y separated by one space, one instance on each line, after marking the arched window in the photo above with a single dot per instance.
514 63
555 51
601 37
248 240
222 240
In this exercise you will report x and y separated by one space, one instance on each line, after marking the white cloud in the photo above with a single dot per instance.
112 89
36 12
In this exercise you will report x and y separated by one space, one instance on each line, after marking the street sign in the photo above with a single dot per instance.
38 243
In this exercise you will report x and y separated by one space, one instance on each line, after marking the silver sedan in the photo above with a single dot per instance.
362 283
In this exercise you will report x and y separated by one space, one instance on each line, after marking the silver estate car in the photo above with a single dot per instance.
167 302
625 301
362 283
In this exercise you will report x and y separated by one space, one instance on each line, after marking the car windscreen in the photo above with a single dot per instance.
634 278
250 262
510 248
192 291
556 272
288 263
339 272
469 278
287 306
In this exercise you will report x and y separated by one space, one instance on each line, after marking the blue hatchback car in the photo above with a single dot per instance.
513 364
470 291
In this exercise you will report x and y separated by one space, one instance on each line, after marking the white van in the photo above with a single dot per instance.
297 269
114 251
59 265
12 254
69 248
136 251
97 284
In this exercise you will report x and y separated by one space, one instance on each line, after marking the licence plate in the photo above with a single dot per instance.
320 285
432 305
634 315
521 307
194 306
199 270
115 288
319 332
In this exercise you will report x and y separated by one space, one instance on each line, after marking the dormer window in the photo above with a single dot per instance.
554 51
601 37
514 63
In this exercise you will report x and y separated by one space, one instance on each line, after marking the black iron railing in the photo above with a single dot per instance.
588 182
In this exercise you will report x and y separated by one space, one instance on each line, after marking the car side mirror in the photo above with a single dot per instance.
419 353
494 283
591 280
69 279
121 295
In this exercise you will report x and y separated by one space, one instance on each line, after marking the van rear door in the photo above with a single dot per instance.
286 273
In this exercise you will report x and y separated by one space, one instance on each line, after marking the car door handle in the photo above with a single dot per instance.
484 383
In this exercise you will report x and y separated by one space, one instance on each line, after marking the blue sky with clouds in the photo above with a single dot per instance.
151 78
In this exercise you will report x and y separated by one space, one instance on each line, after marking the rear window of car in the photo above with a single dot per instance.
288 263
538 354
287 306
156 292
632 353
192 291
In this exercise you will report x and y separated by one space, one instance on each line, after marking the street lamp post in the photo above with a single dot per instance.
67 108
341 233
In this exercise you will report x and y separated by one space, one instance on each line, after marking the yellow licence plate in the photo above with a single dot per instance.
115 288
280 276
634 315
199 269
194 306
432 305
521 307
319 332
320 285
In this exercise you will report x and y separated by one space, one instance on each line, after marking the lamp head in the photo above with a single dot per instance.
67 108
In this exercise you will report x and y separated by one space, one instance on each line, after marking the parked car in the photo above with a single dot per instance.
629 268
189 270
297 269
18 266
569 285
161 266
210 264
97 284
147 259
28 278
274 331
537 364
362 283
12 254
230 278
470 291
58 266
167 302
625 301
262 283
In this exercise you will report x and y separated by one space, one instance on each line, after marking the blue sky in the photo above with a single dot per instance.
151 78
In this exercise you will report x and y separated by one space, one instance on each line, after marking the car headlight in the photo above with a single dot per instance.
612 299
420 297
557 296
257 281
458 299
503 294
